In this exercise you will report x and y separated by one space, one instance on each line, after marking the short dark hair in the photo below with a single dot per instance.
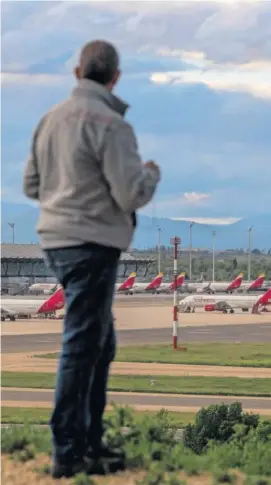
99 61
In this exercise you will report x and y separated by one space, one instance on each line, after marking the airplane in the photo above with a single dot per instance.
225 303
50 288
151 287
44 288
254 285
213 287
11 308
127 285
169 287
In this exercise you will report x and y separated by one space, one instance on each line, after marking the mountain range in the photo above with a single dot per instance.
230 236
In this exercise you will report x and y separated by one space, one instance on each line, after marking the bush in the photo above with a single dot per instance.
145 440
216 423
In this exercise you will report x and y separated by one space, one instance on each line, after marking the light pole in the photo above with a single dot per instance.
214 240
249 254
159 252
190 249
12 225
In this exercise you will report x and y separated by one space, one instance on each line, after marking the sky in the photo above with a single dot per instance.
197 77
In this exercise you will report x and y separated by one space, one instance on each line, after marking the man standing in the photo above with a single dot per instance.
86 173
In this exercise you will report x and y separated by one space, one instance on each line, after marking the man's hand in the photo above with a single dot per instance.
153 166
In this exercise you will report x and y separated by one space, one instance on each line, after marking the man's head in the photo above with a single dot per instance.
99 62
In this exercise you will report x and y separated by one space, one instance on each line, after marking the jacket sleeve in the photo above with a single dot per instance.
131 184
31 178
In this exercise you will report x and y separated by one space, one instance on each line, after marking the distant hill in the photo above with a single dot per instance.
230 236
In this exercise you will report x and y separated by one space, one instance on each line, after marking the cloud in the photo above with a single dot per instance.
194 198
225 221
179 204
13 78
252 78
196 75
224 32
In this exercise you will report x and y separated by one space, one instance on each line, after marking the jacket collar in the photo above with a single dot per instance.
89 88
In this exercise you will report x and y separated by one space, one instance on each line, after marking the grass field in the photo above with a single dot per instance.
30 416
233 354
224 386
152 455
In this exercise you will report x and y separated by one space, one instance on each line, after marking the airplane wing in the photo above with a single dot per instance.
5 311
204 288
222 305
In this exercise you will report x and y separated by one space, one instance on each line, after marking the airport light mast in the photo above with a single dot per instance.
190 249
214 241
159 248
249 254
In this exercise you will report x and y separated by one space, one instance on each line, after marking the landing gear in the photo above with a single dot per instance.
231 311
11 318
189 309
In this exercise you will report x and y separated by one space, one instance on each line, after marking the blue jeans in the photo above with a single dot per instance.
88 275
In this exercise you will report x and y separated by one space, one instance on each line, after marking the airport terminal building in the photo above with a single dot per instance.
23 264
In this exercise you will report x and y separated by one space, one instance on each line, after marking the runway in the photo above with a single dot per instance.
216 333
147 401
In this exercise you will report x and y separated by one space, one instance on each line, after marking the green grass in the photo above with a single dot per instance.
232 386
30 416
233 354
238 442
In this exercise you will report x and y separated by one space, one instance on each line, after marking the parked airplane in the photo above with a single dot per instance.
225 303
169 287
43 288
254 285
10 308
151 287
127 285
213 287
50 288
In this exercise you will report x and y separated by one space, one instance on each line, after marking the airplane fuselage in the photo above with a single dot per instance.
231 302
16 307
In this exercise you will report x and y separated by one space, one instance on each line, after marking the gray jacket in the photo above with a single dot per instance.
86 173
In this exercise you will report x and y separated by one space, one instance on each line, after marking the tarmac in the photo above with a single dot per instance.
38 337
142 401
140 320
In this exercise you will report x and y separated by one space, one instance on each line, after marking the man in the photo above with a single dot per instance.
86 173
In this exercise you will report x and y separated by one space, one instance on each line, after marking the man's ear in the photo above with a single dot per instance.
116 78
77 72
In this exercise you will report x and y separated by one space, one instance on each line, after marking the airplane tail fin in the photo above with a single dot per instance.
265 299
180 281
156 282
128 283
258 282
56 301
236 283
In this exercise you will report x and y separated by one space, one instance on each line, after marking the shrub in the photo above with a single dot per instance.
216 423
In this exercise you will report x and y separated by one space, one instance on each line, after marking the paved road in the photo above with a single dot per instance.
216 333
132 399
